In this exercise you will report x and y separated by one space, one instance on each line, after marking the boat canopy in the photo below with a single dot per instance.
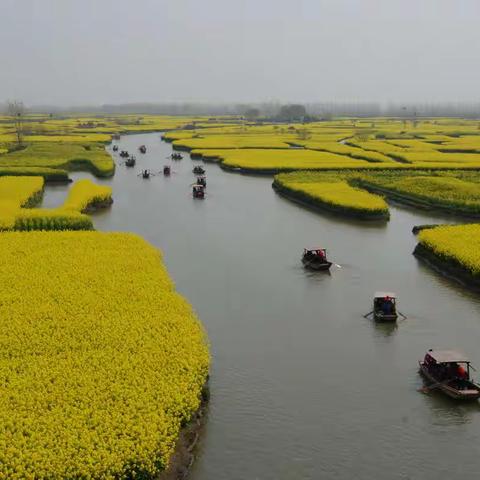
448 356
385 294
314 249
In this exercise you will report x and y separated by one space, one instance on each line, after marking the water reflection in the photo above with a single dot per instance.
446 411
385 329
334 218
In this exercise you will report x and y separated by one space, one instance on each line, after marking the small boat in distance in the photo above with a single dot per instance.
166 170
142 148
202 181
198 191
385 307
315 259
146 173
131 161
198 170
115 148
124 153
176 156
449 372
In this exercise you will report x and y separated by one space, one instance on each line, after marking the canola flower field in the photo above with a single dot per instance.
76 142
332 193
448 192
373 144
85 195
19 192
459 243
101 361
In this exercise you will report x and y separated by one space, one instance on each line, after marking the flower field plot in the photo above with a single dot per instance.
454 251
22 191
333 194
19 192
69 156
86 195
272 161
101 361
444 191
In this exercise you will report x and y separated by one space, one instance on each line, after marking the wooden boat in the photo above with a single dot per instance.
142 148
449 372
130 162
146 173
176 156
124 154
166 170
198 191
315 259
385 307
115 148
198 170
202 181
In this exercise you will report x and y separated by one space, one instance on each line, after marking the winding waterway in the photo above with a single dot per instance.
303 387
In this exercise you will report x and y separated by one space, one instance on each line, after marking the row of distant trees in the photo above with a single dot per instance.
266 111
16 110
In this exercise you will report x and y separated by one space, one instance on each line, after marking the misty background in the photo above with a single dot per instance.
217 56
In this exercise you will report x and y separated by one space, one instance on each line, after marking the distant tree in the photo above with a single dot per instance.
16 110
303 134
292 113
252 114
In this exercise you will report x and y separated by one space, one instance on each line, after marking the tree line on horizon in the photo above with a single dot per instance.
268 110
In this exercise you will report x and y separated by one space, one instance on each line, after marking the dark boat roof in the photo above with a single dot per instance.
448 356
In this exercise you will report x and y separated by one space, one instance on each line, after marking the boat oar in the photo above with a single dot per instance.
404 316
337 265
368 314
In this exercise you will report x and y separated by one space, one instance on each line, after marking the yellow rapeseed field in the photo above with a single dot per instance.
460 243
18 192
101 361
332 192
442 190
84 194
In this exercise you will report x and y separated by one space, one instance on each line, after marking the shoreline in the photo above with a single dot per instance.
95 206
184 455
320 206
448 268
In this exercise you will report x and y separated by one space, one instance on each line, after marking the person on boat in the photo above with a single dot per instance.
387 306
461 373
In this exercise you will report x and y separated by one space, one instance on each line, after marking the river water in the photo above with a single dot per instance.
303 386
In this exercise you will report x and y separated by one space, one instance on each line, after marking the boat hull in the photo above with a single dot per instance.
381 317
316 265
472 393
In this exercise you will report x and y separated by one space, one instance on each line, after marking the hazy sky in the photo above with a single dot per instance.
114 51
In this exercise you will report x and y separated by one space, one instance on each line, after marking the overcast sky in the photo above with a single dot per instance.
71 52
